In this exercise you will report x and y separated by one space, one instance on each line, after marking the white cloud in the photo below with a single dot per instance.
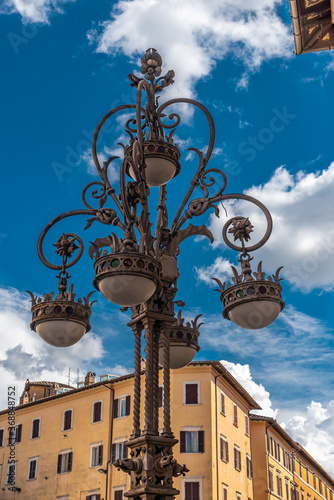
192 35
113 171
243 375
24 355
314 430
303 236
33 11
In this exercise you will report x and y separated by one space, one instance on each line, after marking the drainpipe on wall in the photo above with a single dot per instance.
217 440
111 405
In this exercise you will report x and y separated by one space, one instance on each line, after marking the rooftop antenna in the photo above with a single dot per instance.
69 377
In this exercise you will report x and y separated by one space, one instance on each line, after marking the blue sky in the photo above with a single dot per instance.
65 64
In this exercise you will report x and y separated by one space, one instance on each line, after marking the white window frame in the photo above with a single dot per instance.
162 398
238 495
247 419
119 399
15 475
198 382
193 479
224 438
93 492
117 488
192 429
225 487
222 394
98 421
94 445
235 424
65 452
31 460
236 447
39 428
3 439
63 497
117 442
71 428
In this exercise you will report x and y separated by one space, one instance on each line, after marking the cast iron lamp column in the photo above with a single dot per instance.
139 270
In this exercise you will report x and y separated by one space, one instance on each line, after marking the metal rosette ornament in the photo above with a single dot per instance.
126 278
62 321
154 154
252 301
183 339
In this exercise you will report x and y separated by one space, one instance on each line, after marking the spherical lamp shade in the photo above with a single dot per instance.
180 355
252 303
127 279
183 343
127 291
61 322
161 162
60 333
255 315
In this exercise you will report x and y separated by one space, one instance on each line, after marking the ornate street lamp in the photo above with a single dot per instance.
139 269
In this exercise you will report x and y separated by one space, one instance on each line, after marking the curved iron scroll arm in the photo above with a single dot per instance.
102 171
264 239
46 230
185 100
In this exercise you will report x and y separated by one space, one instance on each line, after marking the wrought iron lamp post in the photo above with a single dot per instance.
139 270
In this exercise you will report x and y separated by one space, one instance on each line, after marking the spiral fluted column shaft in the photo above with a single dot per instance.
148 428
156 333
166 375
137 330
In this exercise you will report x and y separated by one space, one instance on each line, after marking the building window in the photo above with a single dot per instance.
300 468
278 452
32 468
320 486
271 479
287 490
67 424
96 455
235 415
314 481
279 484
35 428
65 460
118 495
15 434
11 474
97 411
307 475
192 441
225 492
247 425
237 458
249 467
330 495
302 494
296 493
161 397
119 451
191 393
2 437
192 489
122 407
222 403
224 449
93 496
292 493
238 496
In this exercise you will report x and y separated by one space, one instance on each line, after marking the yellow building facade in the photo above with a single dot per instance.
282 467
66 441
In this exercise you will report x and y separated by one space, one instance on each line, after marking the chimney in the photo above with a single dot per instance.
90 378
